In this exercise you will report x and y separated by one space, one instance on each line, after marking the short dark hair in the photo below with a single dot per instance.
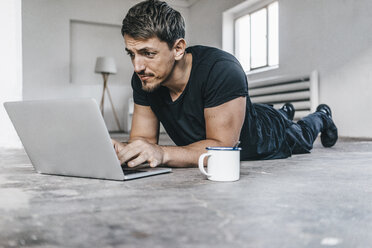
154 18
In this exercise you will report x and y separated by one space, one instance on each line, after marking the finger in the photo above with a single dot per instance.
114 145
128 152
154 163
117 145
125 158
114 142
137 161
116 148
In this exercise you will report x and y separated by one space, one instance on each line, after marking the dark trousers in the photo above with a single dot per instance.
301 135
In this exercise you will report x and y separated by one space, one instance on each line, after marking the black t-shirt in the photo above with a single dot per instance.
216 77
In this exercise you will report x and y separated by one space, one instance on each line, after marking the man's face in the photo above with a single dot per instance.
152 59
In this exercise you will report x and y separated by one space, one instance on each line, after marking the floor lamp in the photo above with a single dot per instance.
106 66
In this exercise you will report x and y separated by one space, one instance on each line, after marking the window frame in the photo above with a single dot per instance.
249 11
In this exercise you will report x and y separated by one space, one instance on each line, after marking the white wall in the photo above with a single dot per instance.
333 37
10 66
205 25
47 50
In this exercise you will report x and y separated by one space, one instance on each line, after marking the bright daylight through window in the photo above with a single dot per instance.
256 38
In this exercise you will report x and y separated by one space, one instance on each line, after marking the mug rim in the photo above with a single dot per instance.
223 148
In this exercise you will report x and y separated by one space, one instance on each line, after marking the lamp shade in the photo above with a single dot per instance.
105 65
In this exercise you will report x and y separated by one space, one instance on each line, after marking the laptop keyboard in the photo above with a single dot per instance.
131 171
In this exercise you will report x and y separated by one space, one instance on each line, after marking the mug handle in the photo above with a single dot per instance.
201 163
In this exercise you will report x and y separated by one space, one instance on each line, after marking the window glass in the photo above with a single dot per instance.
273 34
256 39
242 41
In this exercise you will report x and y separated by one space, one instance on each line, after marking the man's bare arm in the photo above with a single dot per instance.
145 129
145 125
223 126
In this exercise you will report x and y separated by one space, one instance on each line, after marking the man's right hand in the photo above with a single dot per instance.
139 152
118 146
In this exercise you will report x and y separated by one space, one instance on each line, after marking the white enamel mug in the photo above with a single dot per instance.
223 163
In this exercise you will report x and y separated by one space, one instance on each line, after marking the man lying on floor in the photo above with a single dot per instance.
200 96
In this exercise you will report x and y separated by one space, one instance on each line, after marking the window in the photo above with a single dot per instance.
256 40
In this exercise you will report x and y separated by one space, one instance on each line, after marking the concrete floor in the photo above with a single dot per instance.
323 199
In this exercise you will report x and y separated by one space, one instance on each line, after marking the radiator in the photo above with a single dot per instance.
301 91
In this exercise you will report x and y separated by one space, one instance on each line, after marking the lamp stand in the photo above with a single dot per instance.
101 106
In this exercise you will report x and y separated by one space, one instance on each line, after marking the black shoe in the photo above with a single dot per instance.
289 109
329 134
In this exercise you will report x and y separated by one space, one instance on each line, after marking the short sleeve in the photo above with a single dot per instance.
139 95
226 81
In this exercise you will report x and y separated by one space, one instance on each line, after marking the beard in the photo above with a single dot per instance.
150 84
150 87
155 81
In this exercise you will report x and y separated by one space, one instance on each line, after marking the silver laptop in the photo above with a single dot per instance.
70 138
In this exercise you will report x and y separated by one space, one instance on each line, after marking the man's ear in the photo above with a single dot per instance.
179 48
